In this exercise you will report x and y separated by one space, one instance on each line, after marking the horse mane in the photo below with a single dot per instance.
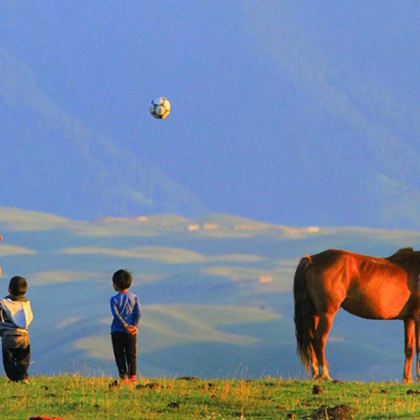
405 255
407 250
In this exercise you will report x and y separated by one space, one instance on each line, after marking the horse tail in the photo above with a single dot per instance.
304 313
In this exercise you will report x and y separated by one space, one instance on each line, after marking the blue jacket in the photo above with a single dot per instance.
125 308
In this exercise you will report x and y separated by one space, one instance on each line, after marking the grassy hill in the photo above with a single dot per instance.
215 292
77 397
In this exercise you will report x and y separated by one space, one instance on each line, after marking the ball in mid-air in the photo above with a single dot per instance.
160 108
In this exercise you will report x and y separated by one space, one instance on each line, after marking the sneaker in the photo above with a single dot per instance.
133 378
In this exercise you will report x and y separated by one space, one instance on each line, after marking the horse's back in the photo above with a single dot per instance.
365 286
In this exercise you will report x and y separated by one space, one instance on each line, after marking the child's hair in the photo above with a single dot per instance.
18 286
122 279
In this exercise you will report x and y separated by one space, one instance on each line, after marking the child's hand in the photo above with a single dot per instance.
132 329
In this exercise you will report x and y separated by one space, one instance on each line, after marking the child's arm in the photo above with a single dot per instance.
116 314
3 316
5 324
133 329
136 312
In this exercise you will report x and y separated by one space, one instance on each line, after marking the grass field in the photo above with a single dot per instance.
75 397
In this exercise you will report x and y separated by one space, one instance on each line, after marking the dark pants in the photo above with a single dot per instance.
16 362
125 352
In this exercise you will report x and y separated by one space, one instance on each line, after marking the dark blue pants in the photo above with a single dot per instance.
16 362
125 353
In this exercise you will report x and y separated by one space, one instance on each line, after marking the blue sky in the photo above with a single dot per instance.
296 113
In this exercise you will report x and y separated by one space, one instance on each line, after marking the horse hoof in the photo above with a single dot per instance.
322 378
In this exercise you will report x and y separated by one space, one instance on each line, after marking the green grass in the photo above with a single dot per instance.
75 397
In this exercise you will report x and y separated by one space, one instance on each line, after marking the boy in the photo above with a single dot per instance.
15 318
125 308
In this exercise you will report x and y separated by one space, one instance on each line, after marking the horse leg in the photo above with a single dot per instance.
409 344
314 361
325 324
418 349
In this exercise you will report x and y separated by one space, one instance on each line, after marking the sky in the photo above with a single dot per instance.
291 112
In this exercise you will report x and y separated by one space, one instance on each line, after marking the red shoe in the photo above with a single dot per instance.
133 378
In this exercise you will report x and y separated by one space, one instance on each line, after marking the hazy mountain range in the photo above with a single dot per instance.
285 112
52 162
215 291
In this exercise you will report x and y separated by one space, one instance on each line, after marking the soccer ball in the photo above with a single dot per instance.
160 108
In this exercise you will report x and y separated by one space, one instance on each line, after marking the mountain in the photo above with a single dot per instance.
288 113
216 294
52 162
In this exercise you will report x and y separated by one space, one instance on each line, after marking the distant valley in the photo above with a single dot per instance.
215 292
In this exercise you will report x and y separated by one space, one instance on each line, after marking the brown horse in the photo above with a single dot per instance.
372 288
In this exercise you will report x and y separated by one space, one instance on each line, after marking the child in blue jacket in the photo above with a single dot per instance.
125 308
